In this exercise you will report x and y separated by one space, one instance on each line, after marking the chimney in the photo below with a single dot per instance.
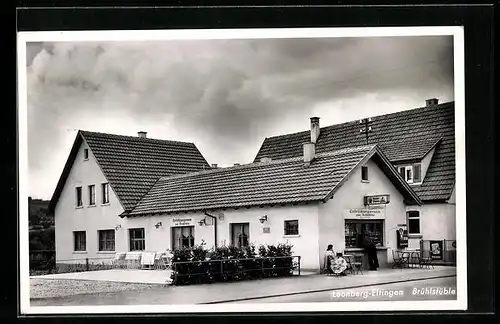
214 166
314 129
431 102
309 152
265 159
142 134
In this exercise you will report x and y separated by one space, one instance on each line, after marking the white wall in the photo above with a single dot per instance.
437 222
68 218
350 195
305 244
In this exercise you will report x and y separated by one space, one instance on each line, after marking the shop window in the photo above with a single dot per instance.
107 240
411 173
291 227
92 195
137 239
413 222
79 241
354 230
182 236
364 173
240 234
78 197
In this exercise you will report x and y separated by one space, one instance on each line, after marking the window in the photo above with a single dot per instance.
413 222
137 240
291 227
79 200
240 234
104 193
182 236
85 154
411 173
354 229
106 240
364 173
79 241
92 195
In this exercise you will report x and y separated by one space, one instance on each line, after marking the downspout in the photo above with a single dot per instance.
215 227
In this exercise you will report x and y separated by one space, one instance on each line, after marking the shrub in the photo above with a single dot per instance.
230 263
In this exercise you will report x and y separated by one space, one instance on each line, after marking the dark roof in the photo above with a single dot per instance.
133 164
404 135
264 183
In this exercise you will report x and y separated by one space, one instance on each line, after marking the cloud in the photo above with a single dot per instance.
224 95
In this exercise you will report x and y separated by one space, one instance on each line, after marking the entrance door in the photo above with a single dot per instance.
240 234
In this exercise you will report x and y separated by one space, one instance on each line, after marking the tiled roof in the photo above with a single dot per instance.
263 183
133 164
403 135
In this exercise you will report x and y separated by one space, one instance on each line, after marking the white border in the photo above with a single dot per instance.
138 35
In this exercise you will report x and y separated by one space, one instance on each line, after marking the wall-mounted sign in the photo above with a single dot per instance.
364 213
266 230
377 200
176 221
436 250
402 236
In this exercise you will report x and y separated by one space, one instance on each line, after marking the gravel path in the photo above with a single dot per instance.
50 288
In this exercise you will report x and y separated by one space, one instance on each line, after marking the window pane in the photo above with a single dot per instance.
292 227
402 172
364 173
414 226
416 173
409 175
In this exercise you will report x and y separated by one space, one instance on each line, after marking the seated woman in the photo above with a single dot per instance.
335 264
339 265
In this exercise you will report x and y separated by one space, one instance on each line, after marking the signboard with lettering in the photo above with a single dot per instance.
377 200
436 250
176 221
402 236
364 213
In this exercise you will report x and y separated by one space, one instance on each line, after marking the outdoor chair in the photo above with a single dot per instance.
350 266
119 260
405 259
414 259
147 260
358 263
426 260
397 260
133 260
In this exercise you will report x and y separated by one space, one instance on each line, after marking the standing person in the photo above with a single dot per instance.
371 250
327 262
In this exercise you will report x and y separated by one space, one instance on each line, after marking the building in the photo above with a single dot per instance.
104 176
390 175
420 143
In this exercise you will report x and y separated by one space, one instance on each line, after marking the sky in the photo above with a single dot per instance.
226 96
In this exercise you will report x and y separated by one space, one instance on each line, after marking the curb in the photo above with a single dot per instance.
323 289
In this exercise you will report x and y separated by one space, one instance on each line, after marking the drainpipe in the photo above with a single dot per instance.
215 227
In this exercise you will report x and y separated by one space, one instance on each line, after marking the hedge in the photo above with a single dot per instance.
230 263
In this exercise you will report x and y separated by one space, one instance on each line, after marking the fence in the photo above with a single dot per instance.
440 250
234 269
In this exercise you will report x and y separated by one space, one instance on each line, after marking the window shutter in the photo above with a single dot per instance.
402 171
416 173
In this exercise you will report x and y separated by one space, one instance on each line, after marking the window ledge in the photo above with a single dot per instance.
86 159
79 207
79 252
105 204
106 252
288 236
415 235
90 206
365 181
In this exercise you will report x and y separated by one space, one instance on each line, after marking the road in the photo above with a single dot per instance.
405 291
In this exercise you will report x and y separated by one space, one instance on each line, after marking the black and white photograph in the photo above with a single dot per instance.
312 169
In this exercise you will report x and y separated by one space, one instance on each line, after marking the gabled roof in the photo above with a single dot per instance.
133 164
264 183
404 135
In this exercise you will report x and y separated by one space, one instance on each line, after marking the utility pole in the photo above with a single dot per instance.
366 128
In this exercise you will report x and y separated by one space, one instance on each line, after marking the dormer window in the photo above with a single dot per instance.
85 154
411 173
